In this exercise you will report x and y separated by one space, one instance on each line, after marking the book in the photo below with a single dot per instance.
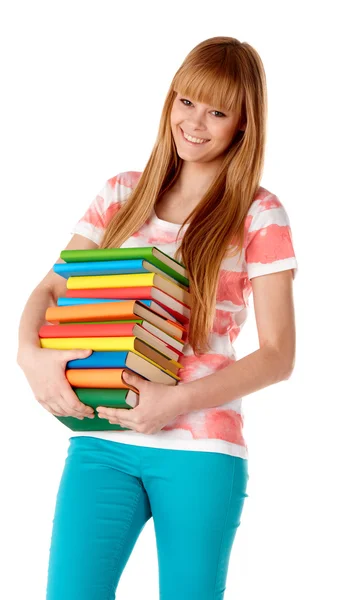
176 309
64 301
160 340
113 359
129 309
176 290
177 343
134 344
112 378
111 397
151 254
94 397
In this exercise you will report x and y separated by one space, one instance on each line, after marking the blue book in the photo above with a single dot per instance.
100 360
107 267
75 301
126 359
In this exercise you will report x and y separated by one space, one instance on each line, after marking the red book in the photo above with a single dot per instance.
178 309
152 335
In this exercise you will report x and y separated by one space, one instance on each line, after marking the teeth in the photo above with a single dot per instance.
192 139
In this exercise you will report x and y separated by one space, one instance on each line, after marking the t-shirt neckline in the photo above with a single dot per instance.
168 225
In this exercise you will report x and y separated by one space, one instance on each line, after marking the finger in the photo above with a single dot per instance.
55 410
69 408
132 378
74 354
121 423
124 420
110 414
116 413
72 403
52 405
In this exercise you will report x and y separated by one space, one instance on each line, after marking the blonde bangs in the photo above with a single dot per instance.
217 88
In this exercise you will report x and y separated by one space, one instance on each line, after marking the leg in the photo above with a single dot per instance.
101 508
196 500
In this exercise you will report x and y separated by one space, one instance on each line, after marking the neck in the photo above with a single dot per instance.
195 179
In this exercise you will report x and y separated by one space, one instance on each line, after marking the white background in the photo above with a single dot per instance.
83 85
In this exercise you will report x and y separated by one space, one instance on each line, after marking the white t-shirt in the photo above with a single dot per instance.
267 248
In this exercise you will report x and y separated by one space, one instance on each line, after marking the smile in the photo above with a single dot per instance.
193 140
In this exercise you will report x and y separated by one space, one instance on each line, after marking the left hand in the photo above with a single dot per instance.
158 405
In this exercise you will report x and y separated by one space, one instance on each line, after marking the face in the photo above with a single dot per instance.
201 121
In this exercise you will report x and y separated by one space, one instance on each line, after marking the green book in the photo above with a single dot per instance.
159 259
139 321
110 397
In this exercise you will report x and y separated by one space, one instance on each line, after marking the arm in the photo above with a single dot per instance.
32 318
88 232
44 295
271 363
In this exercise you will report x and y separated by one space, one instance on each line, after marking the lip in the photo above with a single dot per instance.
191 143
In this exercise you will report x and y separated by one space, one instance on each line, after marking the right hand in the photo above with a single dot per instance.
44 369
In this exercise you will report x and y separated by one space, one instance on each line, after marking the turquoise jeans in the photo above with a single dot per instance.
107 493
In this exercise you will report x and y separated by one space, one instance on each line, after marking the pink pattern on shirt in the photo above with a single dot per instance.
270 244
221 424
206 364
224 324
225 424
95 213
268 201
164 237
112 210
230 285
129 179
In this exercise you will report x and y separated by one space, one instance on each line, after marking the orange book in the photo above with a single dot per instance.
96 378
127 309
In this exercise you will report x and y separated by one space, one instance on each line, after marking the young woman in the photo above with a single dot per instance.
183 458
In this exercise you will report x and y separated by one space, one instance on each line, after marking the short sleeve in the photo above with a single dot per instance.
269 243
103 207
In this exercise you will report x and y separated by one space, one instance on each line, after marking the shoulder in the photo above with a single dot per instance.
264 200
268 242
126 179
117 189
265 209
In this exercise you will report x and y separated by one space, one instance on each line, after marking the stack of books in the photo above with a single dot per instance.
131 307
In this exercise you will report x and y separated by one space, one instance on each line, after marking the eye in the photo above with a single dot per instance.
183 100
217 111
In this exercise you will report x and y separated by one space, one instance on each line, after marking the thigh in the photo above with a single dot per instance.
101 508
196 500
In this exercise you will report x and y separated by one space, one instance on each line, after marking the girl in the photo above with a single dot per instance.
182 457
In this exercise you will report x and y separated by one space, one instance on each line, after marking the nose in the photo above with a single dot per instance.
195 125
196 122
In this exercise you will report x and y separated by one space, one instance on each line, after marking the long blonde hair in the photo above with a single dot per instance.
229 75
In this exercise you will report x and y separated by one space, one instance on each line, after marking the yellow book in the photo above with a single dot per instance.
176 290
